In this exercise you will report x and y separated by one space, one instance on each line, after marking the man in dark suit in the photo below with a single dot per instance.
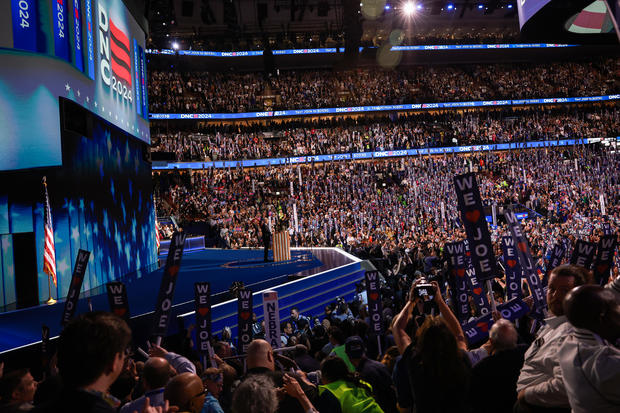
266 237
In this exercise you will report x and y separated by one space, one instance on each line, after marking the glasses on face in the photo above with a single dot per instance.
202 393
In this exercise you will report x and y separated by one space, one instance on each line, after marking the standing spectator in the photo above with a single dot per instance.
343 391
540 386
186 392
497 374
295 317
590 364
91 354
372 372
214 383
17 390
157 371
256 394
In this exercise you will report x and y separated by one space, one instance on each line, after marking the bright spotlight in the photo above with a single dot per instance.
420 7
409 8
387 6
175 46
510 6
480 7
450 6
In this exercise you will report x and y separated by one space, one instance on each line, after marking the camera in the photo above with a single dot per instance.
424 290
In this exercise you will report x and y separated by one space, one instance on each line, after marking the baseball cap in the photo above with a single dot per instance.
354 347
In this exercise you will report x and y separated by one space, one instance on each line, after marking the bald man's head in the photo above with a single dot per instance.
186 392
156 373
594 308
260 354
503 335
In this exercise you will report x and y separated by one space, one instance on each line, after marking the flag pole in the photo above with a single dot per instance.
50 300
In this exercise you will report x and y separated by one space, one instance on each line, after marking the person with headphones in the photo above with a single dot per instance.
590 363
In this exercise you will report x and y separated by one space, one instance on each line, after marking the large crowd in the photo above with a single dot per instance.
173 91
363 134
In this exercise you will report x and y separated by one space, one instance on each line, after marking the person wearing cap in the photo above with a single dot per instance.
372 372
213 381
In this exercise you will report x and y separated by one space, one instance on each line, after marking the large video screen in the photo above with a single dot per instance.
528 8
89 51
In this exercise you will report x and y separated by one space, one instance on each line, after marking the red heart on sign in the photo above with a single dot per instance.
477 290
601 268
460 272
245 315
374 296
522 246
483 326
511 263
173 271
468 253
203 311
120 311
472 216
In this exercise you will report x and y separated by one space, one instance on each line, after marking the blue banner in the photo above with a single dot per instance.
90 43
61 29
330 50
143 79
456 263
478 329
369 155
379 108
24 13
77 26
137 77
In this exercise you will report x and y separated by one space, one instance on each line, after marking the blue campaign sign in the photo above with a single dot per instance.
137 76
77 27
24 14
61 29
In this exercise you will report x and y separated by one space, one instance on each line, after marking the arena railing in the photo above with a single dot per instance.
372 155
382 108
333 50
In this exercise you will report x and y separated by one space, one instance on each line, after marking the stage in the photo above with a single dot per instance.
22 328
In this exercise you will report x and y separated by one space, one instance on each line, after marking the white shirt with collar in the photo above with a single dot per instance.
591 373
541 375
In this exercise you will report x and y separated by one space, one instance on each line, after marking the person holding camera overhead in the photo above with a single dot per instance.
436 363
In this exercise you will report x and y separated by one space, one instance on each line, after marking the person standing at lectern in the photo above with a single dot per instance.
266 237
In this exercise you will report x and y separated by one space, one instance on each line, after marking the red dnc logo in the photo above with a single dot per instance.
115 52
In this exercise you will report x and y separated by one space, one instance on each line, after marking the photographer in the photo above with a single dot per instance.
437 362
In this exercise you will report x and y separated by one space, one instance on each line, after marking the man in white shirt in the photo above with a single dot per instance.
590 364
540 386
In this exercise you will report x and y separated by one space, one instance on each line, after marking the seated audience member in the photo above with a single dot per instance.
590 364
436 364
156 373
540 385
185 392
213 380
372 372
179 363
91 355
497 374
256 394
17 389
343 391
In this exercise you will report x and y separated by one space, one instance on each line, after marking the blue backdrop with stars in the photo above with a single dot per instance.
101 200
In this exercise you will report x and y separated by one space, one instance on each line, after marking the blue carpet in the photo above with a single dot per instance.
219 267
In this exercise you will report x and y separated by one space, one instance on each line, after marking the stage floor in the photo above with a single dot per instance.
220 267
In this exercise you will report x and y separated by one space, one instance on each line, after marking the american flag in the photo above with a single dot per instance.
49 254
157 238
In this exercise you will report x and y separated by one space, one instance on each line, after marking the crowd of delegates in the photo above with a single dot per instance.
363 134
334 364
208 92
398 203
